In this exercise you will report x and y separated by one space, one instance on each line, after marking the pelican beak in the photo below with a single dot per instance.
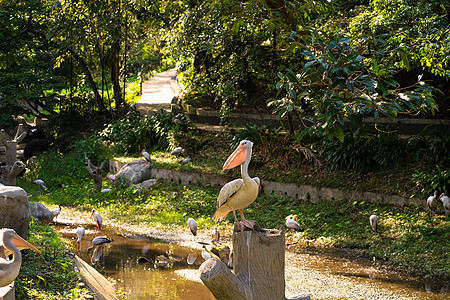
236 158
20 242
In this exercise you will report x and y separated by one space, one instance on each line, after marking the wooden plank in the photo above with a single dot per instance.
99 285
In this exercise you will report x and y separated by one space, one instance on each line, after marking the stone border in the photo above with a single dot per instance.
297 191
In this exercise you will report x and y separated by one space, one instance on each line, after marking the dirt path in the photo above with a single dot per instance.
321 277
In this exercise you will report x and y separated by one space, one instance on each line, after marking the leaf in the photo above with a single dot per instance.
404 56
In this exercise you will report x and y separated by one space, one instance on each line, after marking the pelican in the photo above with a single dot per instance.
177 151
432 202
97 219
239 193
99 241
9 269
56 212
146 155
446 202
205 253
40 183
192 226
293 224
373 219
80 233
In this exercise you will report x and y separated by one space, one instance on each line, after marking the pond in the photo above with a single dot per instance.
132 261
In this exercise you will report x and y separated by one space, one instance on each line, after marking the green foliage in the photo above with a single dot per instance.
435 180
49 274
134 132
432 145
365 152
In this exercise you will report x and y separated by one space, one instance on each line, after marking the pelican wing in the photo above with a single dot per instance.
228 190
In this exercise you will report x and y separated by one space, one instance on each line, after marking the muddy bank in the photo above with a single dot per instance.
323 275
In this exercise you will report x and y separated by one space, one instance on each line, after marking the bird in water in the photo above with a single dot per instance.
146 156
239 193
98 241
432 202
80 233
373 220
11 242
292 223
56 212
97 219
192 226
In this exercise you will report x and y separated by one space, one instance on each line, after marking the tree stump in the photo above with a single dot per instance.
258 261
13 167
95 172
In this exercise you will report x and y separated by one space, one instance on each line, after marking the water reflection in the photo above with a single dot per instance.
146 268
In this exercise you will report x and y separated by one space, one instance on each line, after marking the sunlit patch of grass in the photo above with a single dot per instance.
49 274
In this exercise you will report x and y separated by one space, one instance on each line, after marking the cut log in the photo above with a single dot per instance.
13 167
258 261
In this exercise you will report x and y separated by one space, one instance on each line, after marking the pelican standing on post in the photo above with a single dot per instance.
97 219
239 193
9 269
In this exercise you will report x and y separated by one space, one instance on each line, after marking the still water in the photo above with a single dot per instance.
148 268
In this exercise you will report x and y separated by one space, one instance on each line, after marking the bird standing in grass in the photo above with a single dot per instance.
11 241
293 224
373 220
56 212
40 183
446 202
177 151
192 226
432 202
97 219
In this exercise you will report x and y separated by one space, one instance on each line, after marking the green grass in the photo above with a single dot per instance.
49 274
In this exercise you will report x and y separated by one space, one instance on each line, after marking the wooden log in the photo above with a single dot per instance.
221 281
99 285
258 259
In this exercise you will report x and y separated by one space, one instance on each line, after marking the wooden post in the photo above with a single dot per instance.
258 259
95 172
13 167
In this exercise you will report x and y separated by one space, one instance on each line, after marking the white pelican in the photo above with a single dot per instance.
205 253
40 183
446 202
56 212
239 193
373 220
432 203
177 151
192 226
293 224
80 233
146 155
97 219
9 269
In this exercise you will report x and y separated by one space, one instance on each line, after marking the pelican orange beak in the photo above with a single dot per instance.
20 242
236 158
440 196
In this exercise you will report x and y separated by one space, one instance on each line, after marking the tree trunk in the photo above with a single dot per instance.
259 264
97 97
114 71
13 167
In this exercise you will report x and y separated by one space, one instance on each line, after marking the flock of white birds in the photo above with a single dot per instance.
234 196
